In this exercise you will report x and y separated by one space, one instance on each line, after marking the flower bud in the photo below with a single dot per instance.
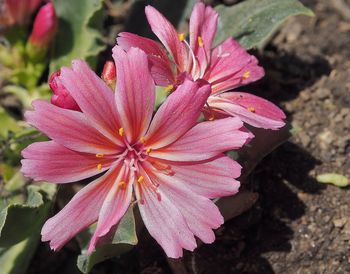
61 97
18 11
109 74
44 28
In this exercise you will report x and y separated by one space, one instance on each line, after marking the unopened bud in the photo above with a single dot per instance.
44 29
61 97
109 74
18 11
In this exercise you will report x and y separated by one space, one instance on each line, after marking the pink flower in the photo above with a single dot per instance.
61 97
44 28
19 11
226 67
173 164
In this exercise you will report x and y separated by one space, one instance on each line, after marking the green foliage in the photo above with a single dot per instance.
124 239
20 226
19 221
333 178
252 22
8 124
79 32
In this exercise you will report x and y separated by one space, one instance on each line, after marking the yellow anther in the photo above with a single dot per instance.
169 88
99 155
99 166
142 140
200 41
121 132
149 150
211 117
140 179
251 109
122 185
246 75
181 36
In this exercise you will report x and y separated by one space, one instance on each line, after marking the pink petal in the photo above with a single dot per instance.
94 98
49 161
211 179
203 25
232 66
164 221
69 128
251 109
168 35
135 92
205 140
200 213
177 114
161 66
113 209
79 213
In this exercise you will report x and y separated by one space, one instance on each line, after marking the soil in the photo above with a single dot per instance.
298 225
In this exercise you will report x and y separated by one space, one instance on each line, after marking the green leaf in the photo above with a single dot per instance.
79 32
252 22
19 221
123 241
7 123
16 259
333 178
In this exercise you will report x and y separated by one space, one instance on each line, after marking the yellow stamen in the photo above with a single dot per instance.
181 37
149 150
122 185
140 179
142 140
99 155
200 41
251 109
121 132
169 88
99 166
246 75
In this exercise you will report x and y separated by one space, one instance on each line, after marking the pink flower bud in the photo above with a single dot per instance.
61 97
19 11
109 74
44 28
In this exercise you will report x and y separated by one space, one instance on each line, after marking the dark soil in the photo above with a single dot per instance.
298 225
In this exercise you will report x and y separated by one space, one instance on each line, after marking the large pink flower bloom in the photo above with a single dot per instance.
226 67
174 164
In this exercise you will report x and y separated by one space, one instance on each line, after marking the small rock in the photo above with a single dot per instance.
323 93
340 222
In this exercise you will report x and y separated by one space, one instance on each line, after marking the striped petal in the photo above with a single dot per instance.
167 34
251 109
114 207
135 92
212 179
161 66
69 128
164 221
205 140
94 97
52 162
177 114
79 213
